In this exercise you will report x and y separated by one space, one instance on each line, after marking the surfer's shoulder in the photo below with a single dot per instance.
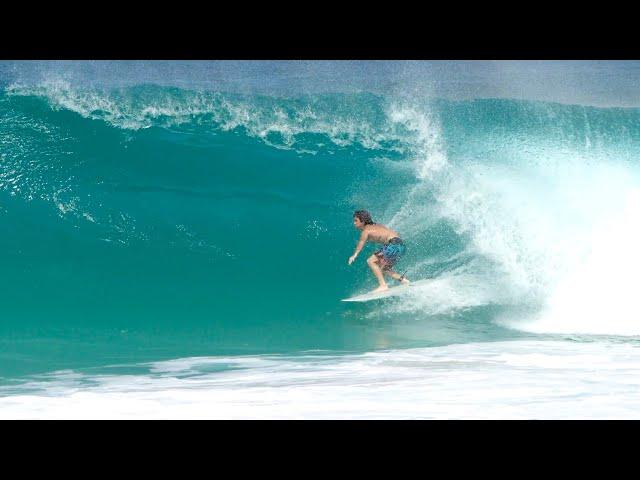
366 231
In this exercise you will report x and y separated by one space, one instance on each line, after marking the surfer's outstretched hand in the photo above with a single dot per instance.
352 259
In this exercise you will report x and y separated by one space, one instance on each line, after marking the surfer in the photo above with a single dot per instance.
382 260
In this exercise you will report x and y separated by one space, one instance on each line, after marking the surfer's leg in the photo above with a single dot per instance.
374 265
389 258
396 276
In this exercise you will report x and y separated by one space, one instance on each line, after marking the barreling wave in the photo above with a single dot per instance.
523 213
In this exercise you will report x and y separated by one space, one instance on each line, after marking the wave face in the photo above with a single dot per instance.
151 222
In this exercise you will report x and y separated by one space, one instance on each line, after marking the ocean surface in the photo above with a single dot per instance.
175 238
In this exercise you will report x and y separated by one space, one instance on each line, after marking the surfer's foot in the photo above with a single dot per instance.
381 288
404 281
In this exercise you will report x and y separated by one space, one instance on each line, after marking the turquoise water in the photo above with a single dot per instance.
149 223
181 236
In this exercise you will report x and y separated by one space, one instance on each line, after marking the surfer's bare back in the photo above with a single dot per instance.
382 260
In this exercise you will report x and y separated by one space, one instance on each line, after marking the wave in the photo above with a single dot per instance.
507 203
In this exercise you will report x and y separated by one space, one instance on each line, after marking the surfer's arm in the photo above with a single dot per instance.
363 240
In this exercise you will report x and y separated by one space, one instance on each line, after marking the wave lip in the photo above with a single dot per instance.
344 119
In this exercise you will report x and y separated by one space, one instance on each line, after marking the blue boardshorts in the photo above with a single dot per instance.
391 252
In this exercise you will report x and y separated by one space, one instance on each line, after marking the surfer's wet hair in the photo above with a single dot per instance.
363 216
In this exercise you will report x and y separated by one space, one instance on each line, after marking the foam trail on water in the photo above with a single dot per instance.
509 380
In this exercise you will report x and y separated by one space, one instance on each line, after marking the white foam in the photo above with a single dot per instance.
277 122
566 240
447 293
598 295
510 380
560 228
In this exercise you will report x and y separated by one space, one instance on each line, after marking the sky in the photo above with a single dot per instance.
597 83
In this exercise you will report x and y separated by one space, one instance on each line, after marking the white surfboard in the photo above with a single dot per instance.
393 291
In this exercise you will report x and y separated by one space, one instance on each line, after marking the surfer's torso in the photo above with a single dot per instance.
379 233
